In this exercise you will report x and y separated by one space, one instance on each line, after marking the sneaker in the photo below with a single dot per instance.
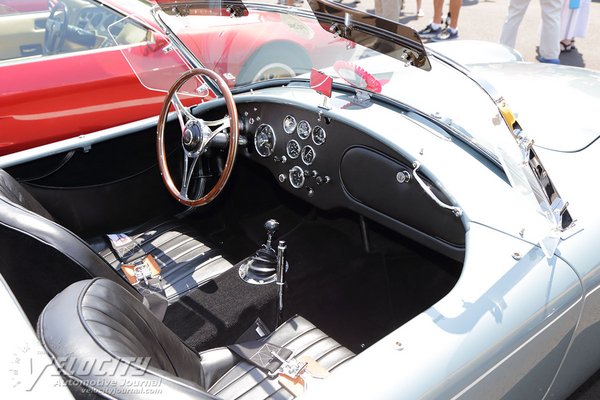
445 34
420 13
548 60
429 31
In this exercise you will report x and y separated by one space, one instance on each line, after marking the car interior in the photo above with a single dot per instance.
311 195
315 219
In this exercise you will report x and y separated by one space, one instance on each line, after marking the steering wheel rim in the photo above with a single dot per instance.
230 122
56 31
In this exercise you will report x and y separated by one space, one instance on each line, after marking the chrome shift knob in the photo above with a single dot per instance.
271 226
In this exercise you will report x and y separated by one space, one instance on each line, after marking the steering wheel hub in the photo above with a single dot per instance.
193 134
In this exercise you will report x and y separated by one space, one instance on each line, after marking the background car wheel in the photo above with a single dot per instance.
266 63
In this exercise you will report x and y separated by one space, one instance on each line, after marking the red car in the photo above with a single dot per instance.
63 75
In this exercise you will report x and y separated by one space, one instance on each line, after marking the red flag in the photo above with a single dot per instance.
320 82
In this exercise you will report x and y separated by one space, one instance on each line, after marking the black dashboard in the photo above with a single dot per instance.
333 163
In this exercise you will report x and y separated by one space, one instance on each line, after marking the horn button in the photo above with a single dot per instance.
193 134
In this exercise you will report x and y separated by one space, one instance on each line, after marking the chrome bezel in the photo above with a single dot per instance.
309 130
272 135
287 149
289 132
296 168
305 148
313 135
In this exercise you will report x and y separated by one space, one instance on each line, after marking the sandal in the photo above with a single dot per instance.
566 45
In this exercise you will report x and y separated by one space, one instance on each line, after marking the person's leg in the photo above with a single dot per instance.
516 11
437 11
420 12
550 37
455 6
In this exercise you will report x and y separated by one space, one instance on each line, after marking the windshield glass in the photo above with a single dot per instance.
251 42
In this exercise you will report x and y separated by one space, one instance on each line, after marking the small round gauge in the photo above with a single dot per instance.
289 124
318 135
293 149
303 129
264 140
308 155
296 177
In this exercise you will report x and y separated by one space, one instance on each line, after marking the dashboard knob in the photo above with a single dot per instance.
311 192
322 179
282 178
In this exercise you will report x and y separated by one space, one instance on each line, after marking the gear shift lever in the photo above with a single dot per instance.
261 267
271 227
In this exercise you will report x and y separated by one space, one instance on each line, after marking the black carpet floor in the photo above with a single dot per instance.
354 296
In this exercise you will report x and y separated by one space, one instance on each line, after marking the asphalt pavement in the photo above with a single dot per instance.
483 19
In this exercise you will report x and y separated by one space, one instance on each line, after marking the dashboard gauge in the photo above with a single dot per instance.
308 155
318 135
293 149
289 124
303 129
296 177
264 140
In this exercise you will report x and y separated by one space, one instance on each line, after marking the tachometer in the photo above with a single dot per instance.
264 140
318 135
289 124
296 177
293 149
308 155
303 129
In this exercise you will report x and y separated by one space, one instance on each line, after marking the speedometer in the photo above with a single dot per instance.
303 129
264 140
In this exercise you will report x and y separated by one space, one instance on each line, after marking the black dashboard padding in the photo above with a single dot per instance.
370 178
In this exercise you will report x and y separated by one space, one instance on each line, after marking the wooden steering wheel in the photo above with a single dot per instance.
196 135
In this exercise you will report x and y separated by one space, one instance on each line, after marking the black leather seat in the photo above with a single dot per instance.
99 324
185 260
33 244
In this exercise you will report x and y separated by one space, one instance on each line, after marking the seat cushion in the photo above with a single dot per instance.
185 261
245 381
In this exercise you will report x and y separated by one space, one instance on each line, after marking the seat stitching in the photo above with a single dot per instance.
234 380
341 362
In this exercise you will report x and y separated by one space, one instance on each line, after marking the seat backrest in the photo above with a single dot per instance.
105 340
14 192
38 257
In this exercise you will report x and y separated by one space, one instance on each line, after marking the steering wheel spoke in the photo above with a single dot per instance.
183 113
196 134
189 163
222 124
